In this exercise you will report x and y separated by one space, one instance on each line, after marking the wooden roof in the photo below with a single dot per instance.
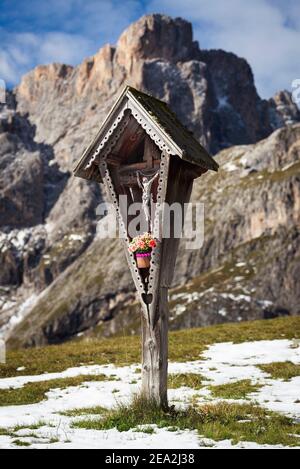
158 121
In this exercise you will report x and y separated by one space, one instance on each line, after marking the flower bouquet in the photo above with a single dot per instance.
142 247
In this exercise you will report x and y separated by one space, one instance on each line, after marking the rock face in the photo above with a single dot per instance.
282 110
29 186
156 36
247 268
48 219
212 91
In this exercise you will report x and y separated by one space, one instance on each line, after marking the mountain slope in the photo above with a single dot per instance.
243 378
248 267
48 219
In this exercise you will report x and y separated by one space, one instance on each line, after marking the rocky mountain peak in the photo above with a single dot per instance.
212 91
156 36
283 111
55 112
32 81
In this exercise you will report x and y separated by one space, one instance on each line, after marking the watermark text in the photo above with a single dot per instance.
2 92
296 91
174 221
2 352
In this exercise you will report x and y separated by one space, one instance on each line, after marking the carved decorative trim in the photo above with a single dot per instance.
113 134
123 230
111 137
158 232
150 130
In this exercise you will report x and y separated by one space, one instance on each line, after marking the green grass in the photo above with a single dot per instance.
33 393
35 426
274 176
13 431
285 370
57 358
24 443
32 435
148 430
4 432
184 345
84 411
21 443
218 422
189 380
236 390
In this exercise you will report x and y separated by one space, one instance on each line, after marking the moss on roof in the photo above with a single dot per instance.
189 149
159 111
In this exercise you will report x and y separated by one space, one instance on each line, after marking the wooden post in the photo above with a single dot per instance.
140 123
155 353
155 323
154 298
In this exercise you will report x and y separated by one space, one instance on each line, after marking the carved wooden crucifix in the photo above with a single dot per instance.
147 197
143 152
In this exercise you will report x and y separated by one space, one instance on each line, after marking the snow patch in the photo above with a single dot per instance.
18 317
222 101
76 237
223 363
6 304
253 353
232 297
223 312
230 167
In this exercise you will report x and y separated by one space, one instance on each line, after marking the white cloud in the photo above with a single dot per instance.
65 48
266 33
7 71
64 32
23 51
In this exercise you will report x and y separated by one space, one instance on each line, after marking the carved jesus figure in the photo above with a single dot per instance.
146 185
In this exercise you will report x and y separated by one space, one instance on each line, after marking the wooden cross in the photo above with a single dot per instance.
141 135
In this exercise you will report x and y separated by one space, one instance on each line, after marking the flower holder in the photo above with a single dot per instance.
143 260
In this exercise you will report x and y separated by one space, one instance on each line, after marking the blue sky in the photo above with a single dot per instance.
265 32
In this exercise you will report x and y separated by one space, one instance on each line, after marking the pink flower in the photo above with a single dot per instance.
143 242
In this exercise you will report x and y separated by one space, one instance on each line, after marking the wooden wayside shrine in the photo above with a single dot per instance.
144 152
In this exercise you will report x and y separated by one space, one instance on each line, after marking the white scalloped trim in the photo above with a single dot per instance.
133 267
112 136
149 129
161 194
115 131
